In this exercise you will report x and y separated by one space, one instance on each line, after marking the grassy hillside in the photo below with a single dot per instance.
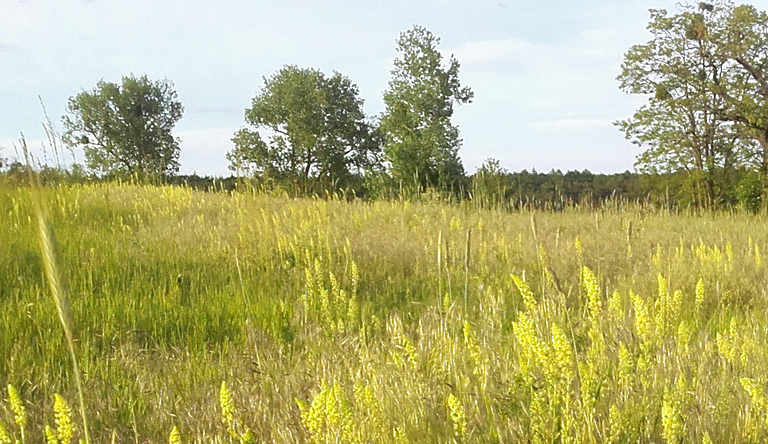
384 322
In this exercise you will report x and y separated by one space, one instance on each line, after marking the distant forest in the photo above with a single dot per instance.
553 191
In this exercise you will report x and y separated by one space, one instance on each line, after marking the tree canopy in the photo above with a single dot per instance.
421 143
318 136
126 129
703 73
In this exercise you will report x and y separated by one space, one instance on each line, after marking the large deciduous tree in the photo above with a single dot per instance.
705 69
740 38
681 125
421 144
318 137
126 129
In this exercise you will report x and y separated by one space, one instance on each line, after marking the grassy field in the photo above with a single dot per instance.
331 321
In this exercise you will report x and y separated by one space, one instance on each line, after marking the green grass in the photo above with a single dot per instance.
175 291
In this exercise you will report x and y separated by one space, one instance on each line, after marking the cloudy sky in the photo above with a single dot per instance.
543 71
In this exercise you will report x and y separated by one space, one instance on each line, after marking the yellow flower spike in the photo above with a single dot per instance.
615 306
50 435
227 407
525 292
62 415
17 407
615 422
4 437
563 355
755 390
473 346
175 436
247 437
699 295
671 417
642 318
592 290
458 417
626 366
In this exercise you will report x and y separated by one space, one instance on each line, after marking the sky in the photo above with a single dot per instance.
543 71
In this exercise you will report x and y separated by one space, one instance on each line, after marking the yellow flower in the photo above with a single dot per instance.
227 406
50 436
755 390
642 318
563 355
17 406
592 289
175 437
247 437
62 415
699 295
579 248
671 417
458 417
525 292
626 366
4 437
473 346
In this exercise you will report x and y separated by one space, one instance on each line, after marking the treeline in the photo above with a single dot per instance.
556 190
491 187
703 130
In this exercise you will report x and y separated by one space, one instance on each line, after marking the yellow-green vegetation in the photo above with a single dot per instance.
212 317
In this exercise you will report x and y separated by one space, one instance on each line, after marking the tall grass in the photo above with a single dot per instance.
321 318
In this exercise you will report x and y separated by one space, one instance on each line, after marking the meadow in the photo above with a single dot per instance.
245 317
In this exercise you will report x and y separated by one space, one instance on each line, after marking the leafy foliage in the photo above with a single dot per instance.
318 135
680 125
703 70
421 143
126 130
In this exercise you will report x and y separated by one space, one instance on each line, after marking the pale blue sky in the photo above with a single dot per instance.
543 72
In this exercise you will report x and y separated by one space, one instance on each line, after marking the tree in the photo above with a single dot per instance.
126 129
421 144
682 125
489 183
740 40
319 136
